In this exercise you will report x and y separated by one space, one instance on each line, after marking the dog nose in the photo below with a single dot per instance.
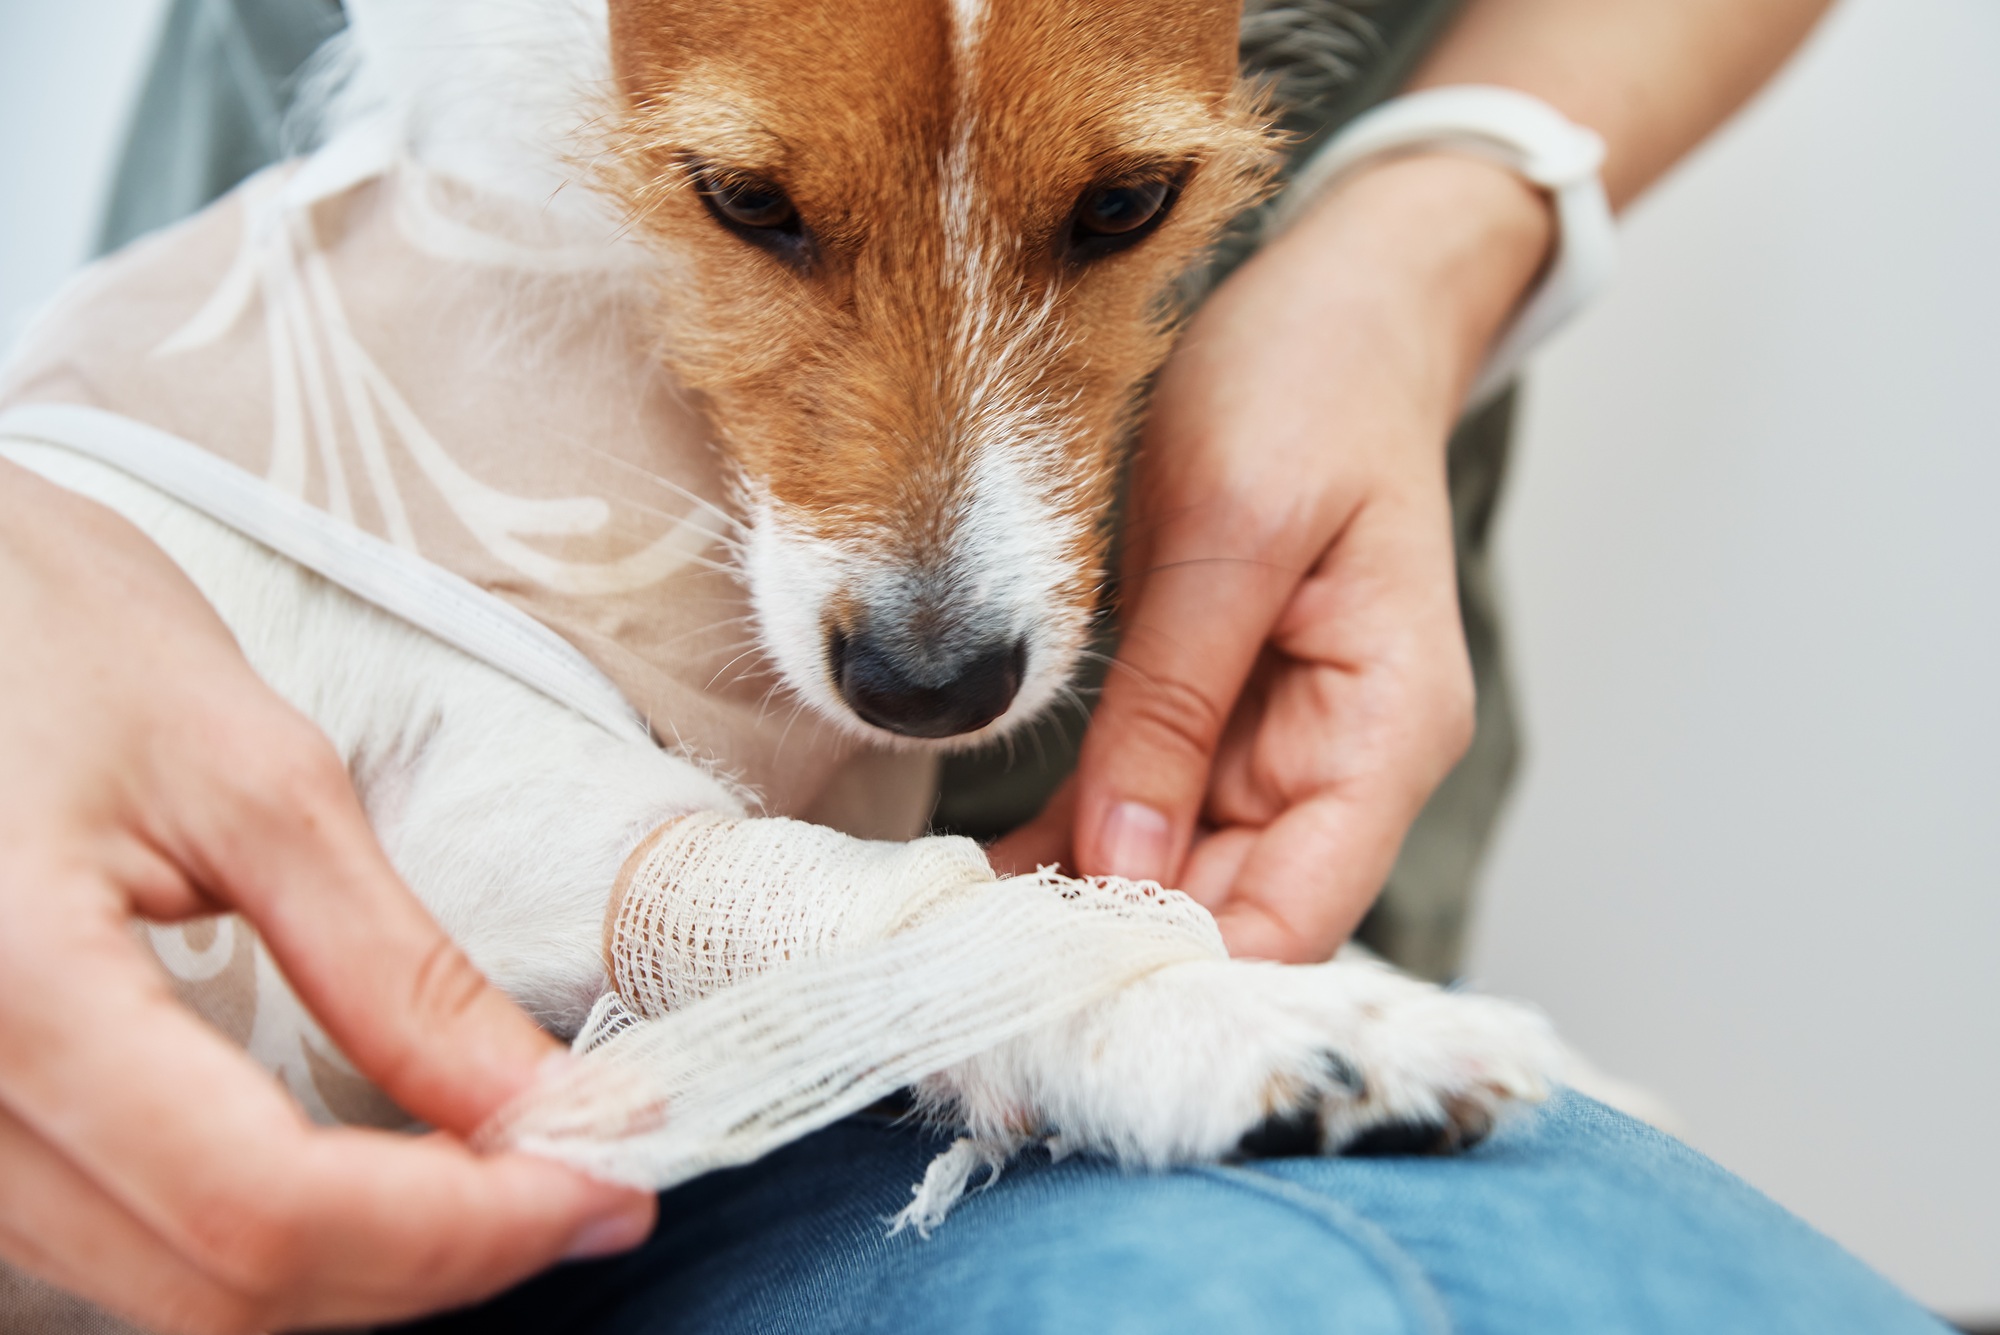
895 694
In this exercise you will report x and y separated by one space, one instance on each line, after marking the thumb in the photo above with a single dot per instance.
1191 634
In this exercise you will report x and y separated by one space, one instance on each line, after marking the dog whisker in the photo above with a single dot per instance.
1112 663
732 521
798 708
748 650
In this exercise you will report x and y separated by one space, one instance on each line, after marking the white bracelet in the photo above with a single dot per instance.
1527 136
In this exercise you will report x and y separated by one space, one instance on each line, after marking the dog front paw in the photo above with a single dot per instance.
1415 1070
1226 1060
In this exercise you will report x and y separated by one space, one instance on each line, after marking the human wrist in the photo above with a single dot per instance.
1440 243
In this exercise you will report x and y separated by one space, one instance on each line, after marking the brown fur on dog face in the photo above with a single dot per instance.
920 375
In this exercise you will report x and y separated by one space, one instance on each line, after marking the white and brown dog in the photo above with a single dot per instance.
913 259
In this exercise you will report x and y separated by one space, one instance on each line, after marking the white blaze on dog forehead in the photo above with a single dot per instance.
966 18
1011 542
958 196
1009 557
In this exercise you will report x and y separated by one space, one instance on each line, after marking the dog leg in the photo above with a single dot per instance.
507 813
1169 1053
1212 1060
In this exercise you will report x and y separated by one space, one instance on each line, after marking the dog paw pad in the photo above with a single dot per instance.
1287 1135
1402 1138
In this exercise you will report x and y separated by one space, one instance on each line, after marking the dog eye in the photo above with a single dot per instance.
747 202
1117 214
1116 209
756 210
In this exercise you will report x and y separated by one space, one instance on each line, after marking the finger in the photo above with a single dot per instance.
1242 791
291 847
58 1225
1214 862
1190 635
1044 841
1310 876
485 1224
207 1152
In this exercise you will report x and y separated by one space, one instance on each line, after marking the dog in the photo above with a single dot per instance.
914 260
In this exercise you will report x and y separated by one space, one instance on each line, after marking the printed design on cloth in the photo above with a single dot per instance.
221 969
321 372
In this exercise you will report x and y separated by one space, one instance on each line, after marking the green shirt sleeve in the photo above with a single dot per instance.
213 107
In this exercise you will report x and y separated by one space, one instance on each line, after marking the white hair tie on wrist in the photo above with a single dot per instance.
1528 137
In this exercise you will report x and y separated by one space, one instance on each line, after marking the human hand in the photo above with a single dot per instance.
1292 680
145 1163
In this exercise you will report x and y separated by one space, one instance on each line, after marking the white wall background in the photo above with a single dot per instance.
69 70
1753 548
1754 553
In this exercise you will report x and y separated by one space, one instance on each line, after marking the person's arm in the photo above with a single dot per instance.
1292 679
1654 77
147 773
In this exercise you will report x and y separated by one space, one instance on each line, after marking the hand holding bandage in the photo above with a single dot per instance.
146 1163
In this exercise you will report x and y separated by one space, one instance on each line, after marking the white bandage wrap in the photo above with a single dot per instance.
1524 135
709 900
772 976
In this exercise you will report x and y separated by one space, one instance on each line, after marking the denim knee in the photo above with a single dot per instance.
1074 1248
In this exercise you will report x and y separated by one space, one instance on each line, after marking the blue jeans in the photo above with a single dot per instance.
1571 1220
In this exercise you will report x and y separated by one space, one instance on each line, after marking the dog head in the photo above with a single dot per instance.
917 258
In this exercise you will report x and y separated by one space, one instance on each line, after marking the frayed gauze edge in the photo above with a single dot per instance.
770 977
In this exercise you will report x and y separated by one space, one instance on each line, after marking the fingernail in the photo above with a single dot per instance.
1135 841
610 1235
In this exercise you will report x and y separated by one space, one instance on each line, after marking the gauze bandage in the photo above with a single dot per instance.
771 977
513 427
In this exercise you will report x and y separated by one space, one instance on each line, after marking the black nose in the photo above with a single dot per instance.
896 693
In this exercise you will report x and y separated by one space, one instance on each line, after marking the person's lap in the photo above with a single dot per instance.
1574 1219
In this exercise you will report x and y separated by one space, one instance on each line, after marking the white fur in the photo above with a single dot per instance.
1013 546
506 95
1017 540
1178 1066
502 94
509 815
790 576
